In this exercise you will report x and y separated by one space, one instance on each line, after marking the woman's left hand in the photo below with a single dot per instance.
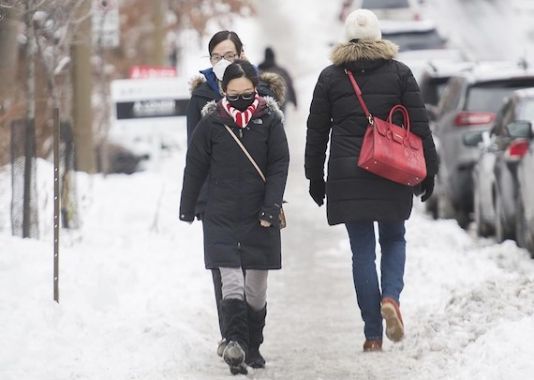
265 223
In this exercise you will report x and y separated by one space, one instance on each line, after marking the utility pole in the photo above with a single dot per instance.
82 91
29 144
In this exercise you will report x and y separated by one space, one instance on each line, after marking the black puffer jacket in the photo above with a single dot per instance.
271 85
354 194
237 196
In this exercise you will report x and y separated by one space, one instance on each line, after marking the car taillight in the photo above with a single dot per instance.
473 118
517 149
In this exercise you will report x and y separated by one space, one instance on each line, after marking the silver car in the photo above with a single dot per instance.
525 179
467 108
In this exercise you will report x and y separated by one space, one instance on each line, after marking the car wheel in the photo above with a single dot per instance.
482 228
463 219
501 232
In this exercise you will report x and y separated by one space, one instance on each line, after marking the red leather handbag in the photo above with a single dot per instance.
388 150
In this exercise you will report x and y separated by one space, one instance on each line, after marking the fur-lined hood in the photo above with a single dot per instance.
271 83
268 102
363 50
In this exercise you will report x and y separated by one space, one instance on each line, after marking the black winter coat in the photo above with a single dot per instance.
354 194
237 196
202 93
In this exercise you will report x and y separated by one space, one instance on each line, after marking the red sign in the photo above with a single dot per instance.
147 71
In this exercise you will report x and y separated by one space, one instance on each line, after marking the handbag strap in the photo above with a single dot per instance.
246 152
358 92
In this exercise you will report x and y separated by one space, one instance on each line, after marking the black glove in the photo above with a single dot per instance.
317 190
427 188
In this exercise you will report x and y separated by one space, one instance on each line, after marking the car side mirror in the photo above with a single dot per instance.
520 129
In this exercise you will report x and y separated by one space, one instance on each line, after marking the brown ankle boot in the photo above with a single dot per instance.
373 345
391 313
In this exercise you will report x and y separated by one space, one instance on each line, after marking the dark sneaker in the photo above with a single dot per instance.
373 345
221 346
391 313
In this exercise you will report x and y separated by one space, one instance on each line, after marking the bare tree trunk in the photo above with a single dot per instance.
8 65
158 57
82 91
8 49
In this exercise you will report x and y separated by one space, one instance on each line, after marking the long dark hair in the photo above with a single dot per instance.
240 68
224 35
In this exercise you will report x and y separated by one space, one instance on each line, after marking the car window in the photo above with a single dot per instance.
526 110
489 96
416 40
381 4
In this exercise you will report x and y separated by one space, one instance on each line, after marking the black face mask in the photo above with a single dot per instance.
240 103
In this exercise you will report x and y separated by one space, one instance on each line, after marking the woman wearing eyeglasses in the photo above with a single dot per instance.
224 47
241 220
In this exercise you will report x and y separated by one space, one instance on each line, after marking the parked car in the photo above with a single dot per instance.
525 178
495 173
433 80
384 9
413 35
467 108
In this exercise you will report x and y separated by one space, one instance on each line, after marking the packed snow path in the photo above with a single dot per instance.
137 303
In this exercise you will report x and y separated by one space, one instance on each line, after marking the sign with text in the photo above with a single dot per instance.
147 71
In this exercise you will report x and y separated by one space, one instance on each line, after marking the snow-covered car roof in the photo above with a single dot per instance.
396 27
497 70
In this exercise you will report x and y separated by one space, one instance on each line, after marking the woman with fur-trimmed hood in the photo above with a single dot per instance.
241 219
355 197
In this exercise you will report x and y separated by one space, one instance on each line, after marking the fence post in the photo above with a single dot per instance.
57 206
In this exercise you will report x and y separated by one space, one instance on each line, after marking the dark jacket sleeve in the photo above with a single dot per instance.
197 166
318 130
413 101
193 114
276 174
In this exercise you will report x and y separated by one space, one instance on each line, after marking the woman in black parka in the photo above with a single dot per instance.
241 219
356 197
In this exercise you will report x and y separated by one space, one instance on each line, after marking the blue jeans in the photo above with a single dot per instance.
368 294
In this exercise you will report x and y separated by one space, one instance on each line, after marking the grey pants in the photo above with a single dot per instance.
249 285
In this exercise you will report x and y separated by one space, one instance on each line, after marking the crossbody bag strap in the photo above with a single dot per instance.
246 153
358 92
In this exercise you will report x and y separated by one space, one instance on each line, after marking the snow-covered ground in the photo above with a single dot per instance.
137 303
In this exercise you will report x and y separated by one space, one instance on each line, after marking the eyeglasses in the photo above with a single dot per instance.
245 96
214 58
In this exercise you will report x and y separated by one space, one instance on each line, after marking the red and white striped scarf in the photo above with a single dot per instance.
241 118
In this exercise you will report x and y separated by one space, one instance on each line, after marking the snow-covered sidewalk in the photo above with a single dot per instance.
137 303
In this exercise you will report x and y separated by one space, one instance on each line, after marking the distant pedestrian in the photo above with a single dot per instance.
241 219
270 65
356 197
224 48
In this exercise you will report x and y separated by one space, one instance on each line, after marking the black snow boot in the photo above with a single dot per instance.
256 323
236 330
